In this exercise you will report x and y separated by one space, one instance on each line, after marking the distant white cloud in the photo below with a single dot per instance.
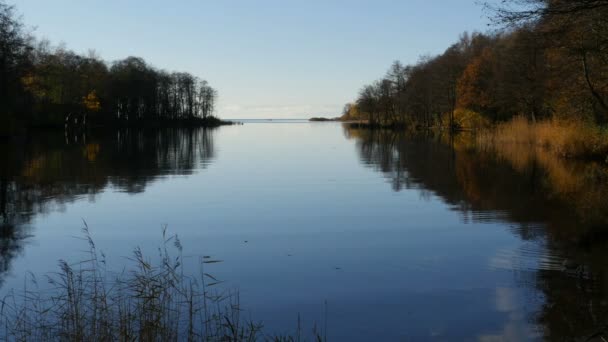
232 108
237 111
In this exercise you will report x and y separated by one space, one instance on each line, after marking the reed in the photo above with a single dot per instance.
147 301
567 138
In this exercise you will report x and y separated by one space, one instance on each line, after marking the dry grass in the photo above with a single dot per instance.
571 139
151 301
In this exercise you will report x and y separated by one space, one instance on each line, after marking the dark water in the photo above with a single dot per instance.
379 235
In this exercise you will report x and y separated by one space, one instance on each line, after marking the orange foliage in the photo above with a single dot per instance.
473 89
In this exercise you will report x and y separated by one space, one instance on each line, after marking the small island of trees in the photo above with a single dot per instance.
46 86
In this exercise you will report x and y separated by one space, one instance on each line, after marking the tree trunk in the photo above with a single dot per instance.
600 117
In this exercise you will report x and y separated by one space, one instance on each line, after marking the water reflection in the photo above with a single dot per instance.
304 208
559 207
46 172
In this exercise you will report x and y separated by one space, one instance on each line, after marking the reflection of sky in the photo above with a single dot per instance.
319 227
516 327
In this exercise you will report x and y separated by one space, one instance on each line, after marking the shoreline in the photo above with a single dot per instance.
24 130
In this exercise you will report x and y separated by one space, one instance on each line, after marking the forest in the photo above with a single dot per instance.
546 62
46 86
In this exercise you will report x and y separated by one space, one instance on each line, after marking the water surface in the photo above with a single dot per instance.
378 235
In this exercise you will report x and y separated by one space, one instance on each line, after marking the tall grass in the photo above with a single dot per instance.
149 301
567 138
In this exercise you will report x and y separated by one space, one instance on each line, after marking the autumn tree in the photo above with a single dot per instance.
576 34
474 87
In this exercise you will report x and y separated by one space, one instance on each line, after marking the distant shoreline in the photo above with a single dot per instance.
320 119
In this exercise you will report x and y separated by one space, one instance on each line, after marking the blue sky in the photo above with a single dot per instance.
267 59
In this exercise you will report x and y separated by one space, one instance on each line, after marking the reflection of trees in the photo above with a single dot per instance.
44 174
481 188
10 237
137 157
559 204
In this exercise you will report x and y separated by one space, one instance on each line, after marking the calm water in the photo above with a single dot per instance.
385 236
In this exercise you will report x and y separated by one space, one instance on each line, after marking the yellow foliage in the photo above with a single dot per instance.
91 102
352 113
467 119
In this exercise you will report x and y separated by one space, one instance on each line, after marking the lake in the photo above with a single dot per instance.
376 235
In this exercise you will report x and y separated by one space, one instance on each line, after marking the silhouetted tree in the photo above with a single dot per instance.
43 85
15 50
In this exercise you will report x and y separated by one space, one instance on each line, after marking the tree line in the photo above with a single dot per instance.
549 59
40 85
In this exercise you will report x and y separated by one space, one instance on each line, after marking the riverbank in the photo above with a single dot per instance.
571 139
566 138
18 134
